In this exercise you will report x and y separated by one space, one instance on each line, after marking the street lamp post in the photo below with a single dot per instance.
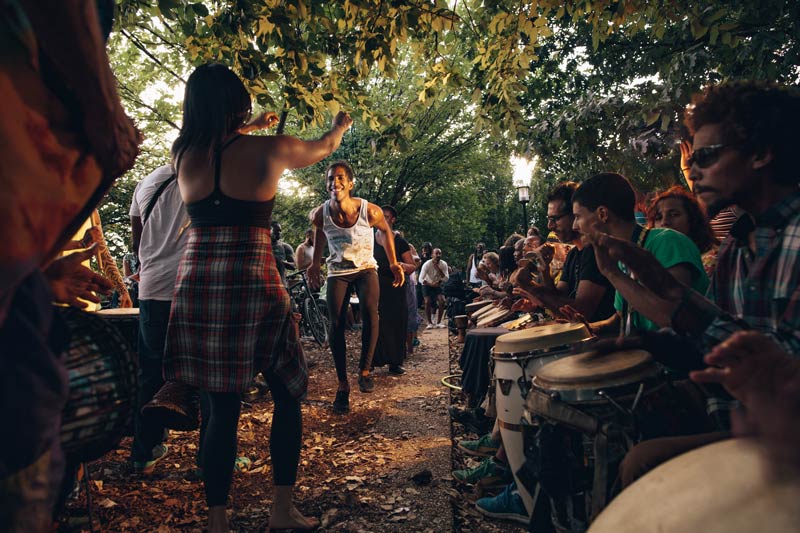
523 194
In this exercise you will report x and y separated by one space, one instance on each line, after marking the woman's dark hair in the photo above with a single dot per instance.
345 165
608 189
507 262
512 239
699 228
215 104
755 116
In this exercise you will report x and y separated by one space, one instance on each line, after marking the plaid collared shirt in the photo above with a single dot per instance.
755 289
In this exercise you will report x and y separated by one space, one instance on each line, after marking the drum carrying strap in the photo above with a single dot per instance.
541 404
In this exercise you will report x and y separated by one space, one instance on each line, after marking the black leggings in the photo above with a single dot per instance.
368 290
218 435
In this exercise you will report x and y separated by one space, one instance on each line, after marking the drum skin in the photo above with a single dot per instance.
126 321
494 317
725 487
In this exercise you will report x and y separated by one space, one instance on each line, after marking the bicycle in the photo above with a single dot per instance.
314 321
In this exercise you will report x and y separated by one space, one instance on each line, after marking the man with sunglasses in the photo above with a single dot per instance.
745 139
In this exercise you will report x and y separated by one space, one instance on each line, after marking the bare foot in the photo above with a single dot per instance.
292 520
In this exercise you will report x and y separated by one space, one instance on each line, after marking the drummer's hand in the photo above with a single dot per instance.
399 275
528 296
749 364
523 305
313 276
545 252
90 236
69 280
485 291
573 315
766 379
125 301
649 272
505 302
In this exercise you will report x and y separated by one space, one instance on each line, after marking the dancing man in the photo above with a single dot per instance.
346 222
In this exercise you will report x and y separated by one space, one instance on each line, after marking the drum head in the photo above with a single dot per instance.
541 337
494 317
590 370
119 313
725 487
475 306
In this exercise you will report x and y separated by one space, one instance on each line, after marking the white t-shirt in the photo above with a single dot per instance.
161 245
431 274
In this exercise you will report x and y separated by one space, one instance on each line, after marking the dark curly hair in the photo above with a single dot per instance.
563 191
699 228
345 165
754 115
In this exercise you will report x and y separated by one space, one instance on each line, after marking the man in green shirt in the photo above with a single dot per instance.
605 202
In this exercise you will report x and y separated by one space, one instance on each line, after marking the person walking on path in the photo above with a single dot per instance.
345 223
433 275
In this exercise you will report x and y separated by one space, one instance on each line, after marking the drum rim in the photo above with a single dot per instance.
535 354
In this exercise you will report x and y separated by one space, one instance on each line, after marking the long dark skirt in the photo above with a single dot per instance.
393 320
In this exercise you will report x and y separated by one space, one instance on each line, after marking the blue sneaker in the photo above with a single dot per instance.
507 505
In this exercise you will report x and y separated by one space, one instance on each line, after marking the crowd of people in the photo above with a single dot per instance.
709 286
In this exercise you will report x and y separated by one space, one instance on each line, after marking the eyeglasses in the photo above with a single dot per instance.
556 218
707 155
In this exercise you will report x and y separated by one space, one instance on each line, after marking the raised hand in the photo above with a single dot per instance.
70 281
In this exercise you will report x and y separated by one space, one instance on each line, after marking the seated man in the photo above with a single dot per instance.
581 285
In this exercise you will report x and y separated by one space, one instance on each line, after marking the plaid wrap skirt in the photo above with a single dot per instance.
231 315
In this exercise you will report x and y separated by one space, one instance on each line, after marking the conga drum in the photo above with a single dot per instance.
594 401
488 308
472 307
724 487
495 317
517 356
102 386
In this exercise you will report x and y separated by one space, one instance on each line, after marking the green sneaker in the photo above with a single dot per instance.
483 447
489 473
147 467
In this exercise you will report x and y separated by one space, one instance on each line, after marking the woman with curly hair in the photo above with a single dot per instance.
676 208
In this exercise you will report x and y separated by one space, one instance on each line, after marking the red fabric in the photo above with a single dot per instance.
231 315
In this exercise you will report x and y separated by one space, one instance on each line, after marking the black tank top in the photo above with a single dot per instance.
219 209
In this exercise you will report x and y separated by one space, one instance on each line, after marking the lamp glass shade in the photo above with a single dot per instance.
524 193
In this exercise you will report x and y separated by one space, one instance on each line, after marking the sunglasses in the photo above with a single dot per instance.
556 218
707 155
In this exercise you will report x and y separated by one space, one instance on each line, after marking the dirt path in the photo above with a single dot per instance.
383 467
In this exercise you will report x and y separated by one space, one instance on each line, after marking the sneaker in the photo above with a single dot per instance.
366 384
507 505
441 325
341 405
397 370
147 467
430 326
483 447
489 473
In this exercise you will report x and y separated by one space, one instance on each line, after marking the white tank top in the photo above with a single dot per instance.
350 249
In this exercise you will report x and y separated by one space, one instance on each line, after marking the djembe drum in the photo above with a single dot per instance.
102 386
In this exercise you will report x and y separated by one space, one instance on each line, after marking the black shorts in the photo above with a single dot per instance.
432 292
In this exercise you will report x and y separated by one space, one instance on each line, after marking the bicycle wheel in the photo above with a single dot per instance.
317 322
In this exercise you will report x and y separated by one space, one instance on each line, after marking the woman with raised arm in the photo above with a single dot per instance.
231 316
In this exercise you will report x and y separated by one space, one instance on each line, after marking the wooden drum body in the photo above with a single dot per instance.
102 386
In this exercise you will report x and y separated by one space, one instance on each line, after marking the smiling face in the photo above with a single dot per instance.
671 213
518 246
339 183
724 179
